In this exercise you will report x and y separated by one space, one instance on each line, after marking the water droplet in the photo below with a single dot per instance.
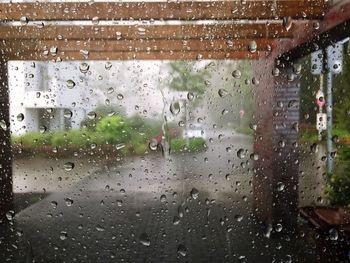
69 202
181 123
316 25
278 227
53 50
63 235
110 90
236 74
241 153
3 125
42 129
314 148
190 96
175 108
163 198
108 65
10 215
335 139
118 35
100 228
70 84
20 117
287 22
280 186
67 114
194 193
255 81
141 31
223 93
254 157
91 115
333 234
120 96
297 69
144 240
84 53
176 220
54 204
238 218
252 47
23 20
182 250
68 166
153 144
276 72
84 67
120 146
95 20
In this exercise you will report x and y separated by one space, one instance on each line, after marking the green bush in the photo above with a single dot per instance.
194 145
338 188
177 145
140 148
33 139
114 129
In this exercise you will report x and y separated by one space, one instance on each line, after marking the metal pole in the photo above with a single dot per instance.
329 108
320 108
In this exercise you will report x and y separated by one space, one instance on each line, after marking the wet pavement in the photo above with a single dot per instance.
185 208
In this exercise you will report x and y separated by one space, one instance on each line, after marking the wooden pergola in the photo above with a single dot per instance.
275 33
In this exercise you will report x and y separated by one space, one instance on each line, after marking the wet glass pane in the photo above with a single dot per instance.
174 131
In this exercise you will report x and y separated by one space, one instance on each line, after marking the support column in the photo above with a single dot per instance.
6 194
276 114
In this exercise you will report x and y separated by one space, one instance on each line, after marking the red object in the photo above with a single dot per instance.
320 103
241 113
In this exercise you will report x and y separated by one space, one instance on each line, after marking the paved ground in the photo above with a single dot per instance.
188 208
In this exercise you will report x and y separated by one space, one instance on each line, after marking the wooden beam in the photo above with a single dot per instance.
155 55
54 46
310 36
184 10
217 31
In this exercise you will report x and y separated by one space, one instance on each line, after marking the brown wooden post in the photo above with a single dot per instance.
6 194
276 114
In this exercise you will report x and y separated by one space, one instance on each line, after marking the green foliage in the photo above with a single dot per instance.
101 112
338 188
77 138
134 132
114 129
341 95
177 145
33 139
194 145
185 78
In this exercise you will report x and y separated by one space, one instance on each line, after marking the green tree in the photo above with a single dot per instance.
114 129
185 77
341 89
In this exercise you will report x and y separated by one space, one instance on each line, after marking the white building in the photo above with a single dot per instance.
41 97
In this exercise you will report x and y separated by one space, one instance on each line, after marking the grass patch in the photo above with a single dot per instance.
179 145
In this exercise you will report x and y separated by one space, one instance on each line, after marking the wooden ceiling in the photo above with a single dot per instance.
152 30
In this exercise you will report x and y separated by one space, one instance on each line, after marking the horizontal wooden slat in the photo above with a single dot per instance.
184 10
226 45
217 31
98 55
310 36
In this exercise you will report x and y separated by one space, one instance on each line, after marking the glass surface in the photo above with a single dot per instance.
178 139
